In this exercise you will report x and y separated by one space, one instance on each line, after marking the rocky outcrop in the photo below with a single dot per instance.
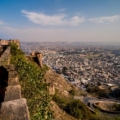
51 89
37 57
57 82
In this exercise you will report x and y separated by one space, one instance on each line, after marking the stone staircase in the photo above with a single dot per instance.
14 106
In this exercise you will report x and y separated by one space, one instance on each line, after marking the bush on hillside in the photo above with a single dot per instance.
77 109
95 90
73 107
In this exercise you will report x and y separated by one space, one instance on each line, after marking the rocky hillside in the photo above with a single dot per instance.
63 105
60 114
58 83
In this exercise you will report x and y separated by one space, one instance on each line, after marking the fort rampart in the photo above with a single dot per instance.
12 105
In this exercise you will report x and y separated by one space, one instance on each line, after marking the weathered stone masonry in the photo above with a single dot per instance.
12 105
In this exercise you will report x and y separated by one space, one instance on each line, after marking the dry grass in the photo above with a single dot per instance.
58 82
107 106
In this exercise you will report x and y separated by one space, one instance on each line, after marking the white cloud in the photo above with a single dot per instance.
76 20
105 19
63 20
54 20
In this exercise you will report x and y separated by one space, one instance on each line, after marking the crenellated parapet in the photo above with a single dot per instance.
7 42
16 41
5 50
39 57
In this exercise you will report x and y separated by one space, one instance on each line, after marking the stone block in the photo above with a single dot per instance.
12 93
12 74
13 81
15 110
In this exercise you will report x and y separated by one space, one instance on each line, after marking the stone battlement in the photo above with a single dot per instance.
37 57
12 105
5 50
7 42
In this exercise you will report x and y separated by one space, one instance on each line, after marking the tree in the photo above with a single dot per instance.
64 70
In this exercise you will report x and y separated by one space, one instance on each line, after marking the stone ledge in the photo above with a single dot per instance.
12 93
15 110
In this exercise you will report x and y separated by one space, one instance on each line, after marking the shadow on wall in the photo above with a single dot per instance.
2 49
3 83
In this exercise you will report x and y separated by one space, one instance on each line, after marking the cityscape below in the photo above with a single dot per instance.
81 64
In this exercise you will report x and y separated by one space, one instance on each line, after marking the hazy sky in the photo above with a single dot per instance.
60 20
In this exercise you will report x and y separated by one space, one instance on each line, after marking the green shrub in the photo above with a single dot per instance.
116 107
74 107
77 109
72 92
95 90
60 100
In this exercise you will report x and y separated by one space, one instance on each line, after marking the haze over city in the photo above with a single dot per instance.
60 20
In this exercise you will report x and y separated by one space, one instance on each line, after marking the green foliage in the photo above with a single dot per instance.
33 87
74 107
95 90
72 92
116 107
77 109
92 89
64 70
15 49
60 100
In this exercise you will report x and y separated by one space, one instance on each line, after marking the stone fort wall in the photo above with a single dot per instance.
12 106
7 42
